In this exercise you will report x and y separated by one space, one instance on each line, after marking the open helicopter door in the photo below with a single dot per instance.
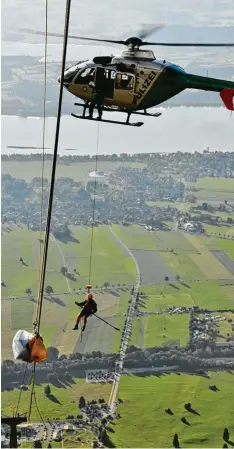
105 78
124 89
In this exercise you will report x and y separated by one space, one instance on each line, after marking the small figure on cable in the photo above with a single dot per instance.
89 308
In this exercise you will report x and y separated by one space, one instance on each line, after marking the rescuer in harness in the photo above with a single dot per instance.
89 308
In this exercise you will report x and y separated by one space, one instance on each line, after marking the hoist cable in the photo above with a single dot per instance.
94 205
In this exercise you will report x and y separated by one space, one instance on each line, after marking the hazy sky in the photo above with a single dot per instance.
111 18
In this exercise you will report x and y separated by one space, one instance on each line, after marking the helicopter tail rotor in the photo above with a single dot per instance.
227 96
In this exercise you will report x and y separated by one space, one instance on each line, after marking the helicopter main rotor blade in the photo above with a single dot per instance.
149 29
42 33
170 44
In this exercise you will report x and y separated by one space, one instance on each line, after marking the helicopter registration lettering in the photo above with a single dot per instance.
147 83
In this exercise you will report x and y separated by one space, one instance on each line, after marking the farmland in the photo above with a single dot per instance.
109 263
196 275
66 402
157 393
149 331
77 171
192 258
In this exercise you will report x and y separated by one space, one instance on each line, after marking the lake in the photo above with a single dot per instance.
178 129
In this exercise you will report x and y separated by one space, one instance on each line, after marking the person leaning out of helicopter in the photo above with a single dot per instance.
96 101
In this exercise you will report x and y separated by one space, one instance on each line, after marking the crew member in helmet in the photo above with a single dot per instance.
89 308
98 93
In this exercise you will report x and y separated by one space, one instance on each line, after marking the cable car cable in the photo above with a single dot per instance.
43 147
42 175
94 206
51 194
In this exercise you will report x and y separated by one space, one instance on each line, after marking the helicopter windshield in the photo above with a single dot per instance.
69 74
85 76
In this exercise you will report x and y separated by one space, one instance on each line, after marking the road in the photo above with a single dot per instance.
128 323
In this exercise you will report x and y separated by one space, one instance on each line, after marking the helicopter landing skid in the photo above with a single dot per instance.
107 109
115 122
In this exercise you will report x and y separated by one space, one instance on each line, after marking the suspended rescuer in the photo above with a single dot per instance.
89 308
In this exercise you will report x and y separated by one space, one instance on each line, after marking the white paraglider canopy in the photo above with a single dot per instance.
19 345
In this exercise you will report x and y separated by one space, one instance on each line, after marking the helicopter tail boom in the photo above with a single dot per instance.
224 87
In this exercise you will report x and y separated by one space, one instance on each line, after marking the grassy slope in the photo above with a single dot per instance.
149 425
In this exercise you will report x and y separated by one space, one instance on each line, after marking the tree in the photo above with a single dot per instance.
166 278
176 441
49 290
49 445
64 270
28 291
177 277
226 434
106 284
47 390
52 353
82 402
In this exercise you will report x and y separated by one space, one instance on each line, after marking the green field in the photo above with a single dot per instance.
220 230
213 189
77 171
205 294
191 258
67 399
144 422
221 184
158 330
109 264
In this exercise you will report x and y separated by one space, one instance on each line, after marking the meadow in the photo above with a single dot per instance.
213 189
109 264
158 330
148 425
65 403
159 254
186 255
168 253
79 171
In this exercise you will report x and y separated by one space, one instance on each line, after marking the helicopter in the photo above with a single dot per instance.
135 80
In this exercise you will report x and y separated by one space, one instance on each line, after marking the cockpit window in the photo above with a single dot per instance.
70 74
123 81
85 76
